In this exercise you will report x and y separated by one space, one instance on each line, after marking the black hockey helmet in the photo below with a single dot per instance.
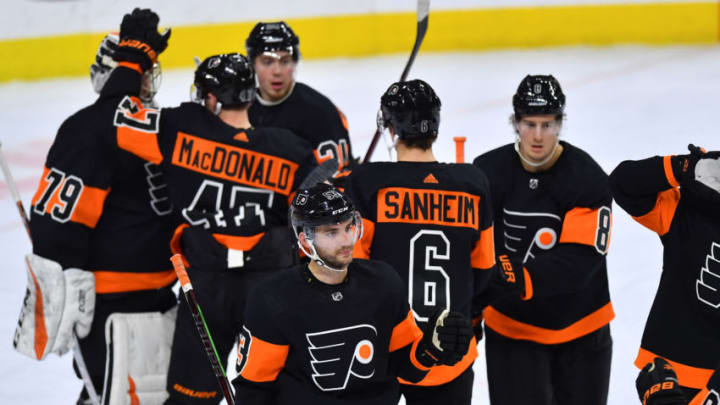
321 204
230 77
538 95
412 108
271 37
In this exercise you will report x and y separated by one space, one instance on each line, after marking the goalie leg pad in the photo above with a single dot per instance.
56 301
138 357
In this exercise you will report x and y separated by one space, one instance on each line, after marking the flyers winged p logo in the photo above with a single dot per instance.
339 354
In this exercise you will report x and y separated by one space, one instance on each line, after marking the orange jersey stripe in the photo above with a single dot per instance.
700 397
660 217
405 333
420 206
688 376
90 206
511 328
361 250
264 361
243 243
234 164
581 225
443 374
669 175
483 254
115 281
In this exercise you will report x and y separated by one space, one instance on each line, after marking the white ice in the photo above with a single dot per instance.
622 103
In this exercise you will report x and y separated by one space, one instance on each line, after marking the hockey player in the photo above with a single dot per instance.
336 330
678 197
430 221
274 50
100 231
231 184
551 207
657 384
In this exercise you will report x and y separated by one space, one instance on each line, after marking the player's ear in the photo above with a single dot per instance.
211 102
303 241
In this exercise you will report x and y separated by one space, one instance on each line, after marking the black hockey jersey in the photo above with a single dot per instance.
307 342
432 222
101 209
235 182
684 322
558 223
311 116
710 393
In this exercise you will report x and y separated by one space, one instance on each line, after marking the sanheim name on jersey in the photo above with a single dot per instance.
424 206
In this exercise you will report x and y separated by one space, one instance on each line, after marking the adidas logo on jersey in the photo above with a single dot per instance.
430 179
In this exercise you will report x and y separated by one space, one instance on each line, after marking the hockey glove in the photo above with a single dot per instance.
657 384
513 276
140 42
446 339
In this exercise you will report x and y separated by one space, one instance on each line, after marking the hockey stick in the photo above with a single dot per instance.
320 173
202 328
423 9
13 191
77 355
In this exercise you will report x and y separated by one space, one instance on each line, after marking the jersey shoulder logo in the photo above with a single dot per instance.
707 286
339 354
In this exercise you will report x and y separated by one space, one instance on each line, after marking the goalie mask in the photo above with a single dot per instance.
322 204
104 64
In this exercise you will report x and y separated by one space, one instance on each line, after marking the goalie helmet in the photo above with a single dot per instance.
229 77
272 37
412 109
104 62
104 65
538 95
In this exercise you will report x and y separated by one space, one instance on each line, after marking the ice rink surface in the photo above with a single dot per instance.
622 103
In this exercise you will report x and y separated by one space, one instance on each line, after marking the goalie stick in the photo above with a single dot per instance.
202 328
423 9
77 355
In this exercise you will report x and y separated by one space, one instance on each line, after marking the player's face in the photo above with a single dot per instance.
275 74
334 243
538 136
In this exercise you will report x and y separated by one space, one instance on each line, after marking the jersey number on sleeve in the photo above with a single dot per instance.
62 203
429 284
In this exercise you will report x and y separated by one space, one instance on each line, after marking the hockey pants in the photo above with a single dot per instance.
571 373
